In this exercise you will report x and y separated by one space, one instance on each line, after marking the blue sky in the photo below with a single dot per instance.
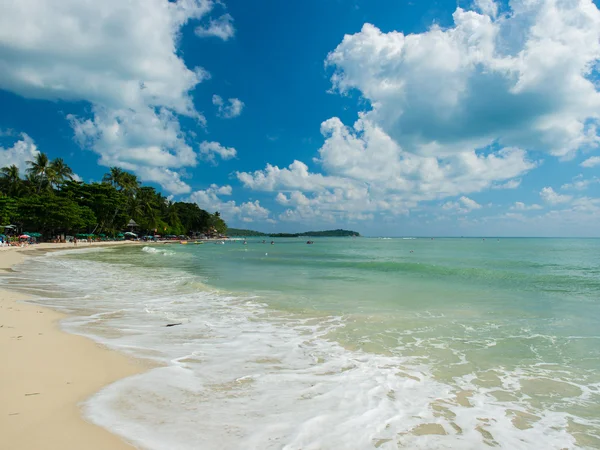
388 117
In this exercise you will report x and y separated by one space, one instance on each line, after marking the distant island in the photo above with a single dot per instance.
236 232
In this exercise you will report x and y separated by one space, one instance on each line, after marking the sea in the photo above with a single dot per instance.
348 343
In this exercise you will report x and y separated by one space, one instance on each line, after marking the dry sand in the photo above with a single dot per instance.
45 373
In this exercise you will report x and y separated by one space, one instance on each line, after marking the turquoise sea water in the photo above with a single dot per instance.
348 343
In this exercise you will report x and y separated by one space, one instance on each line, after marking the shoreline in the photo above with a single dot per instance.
47 373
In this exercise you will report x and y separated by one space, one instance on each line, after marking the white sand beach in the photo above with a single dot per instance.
45 373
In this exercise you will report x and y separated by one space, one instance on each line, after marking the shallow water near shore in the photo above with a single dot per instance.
347 343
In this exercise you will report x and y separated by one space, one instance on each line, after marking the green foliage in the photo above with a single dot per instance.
241 232
107 204
217 224
58 172
10 181
48 200
192 217
51 214
8 210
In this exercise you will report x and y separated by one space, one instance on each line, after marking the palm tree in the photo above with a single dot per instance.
123 181
114 177
39 168
149 206
59 172
172 217
129 184
11 179
134 207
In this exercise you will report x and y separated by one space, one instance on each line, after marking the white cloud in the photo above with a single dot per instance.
591 162
123 58
520 206
209 200
168 179
211 149
550 196
145 141
114 53
221 28
222 190
19 153
134 138
510 184
367 172
469 203
519 80
295 177
488 7
578 217
228 109
463 205
579 183
451 111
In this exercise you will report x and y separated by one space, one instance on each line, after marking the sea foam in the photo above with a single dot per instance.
157 251
237 374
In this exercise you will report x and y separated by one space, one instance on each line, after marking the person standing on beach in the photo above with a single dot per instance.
75 241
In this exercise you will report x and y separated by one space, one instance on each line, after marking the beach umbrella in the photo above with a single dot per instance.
24 236
102 235
129 233
35 234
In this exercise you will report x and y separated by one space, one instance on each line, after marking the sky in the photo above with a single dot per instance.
388 117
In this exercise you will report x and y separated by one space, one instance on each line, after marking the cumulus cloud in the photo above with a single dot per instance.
591 162
133 138
168 179
295 177
488 7
463 205
228 109
222 190
519 80
520 206
451 111
212 149
147 142
221 28
550 196
510 184
19 153
579 183
209 200
367 172
117 54
122 57
577 217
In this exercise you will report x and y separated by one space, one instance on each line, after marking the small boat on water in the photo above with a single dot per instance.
183 242
198 242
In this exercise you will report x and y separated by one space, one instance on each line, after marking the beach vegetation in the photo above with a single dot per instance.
49 198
